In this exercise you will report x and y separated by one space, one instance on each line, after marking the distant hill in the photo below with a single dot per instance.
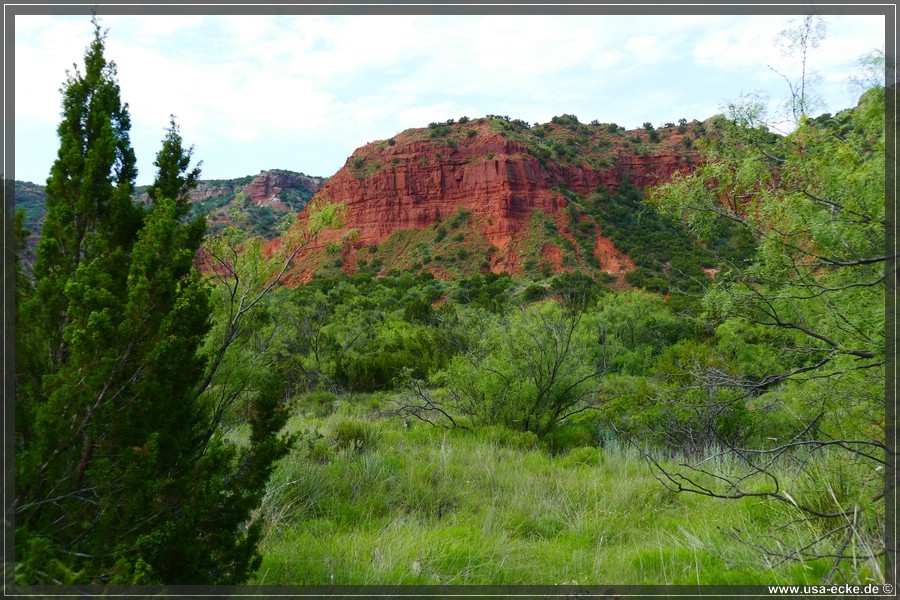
261 204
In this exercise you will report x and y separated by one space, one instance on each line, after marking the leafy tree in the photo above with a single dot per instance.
637 326
814 201
577 291
529 370
121 476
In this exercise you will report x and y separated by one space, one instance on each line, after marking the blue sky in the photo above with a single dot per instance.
302 92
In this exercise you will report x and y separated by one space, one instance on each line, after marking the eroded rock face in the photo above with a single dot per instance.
415 188
411 183
265 188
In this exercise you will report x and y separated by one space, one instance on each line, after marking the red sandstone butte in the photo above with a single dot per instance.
413 181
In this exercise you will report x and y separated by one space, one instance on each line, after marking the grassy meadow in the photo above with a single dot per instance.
365 500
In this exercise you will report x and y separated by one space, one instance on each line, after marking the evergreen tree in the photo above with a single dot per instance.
121 475
174 181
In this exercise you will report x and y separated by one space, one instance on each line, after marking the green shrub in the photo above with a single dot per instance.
508 438
460 218
534 293
297 490
355 435
582 455
569 436
320 404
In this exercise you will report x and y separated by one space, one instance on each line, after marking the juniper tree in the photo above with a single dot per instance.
119 476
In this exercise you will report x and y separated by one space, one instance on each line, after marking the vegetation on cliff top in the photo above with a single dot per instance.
563 141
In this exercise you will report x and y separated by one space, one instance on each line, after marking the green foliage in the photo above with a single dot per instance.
570 436
174 180
565 120
460 218
365 166
801 325
355 435
529 371
577 290
324 215
489 291
31 200
668 257
419 311
363 333
109 425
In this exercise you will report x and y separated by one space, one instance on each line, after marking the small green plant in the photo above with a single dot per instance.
355 435
320 404
460 218
551 227
363 167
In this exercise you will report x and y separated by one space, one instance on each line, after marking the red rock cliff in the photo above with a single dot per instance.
413 180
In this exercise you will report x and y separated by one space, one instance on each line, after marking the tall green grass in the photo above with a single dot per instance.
361 501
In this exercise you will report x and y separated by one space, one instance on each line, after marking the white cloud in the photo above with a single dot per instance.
738 43
646 49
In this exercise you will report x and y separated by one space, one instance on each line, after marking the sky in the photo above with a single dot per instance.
301 93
